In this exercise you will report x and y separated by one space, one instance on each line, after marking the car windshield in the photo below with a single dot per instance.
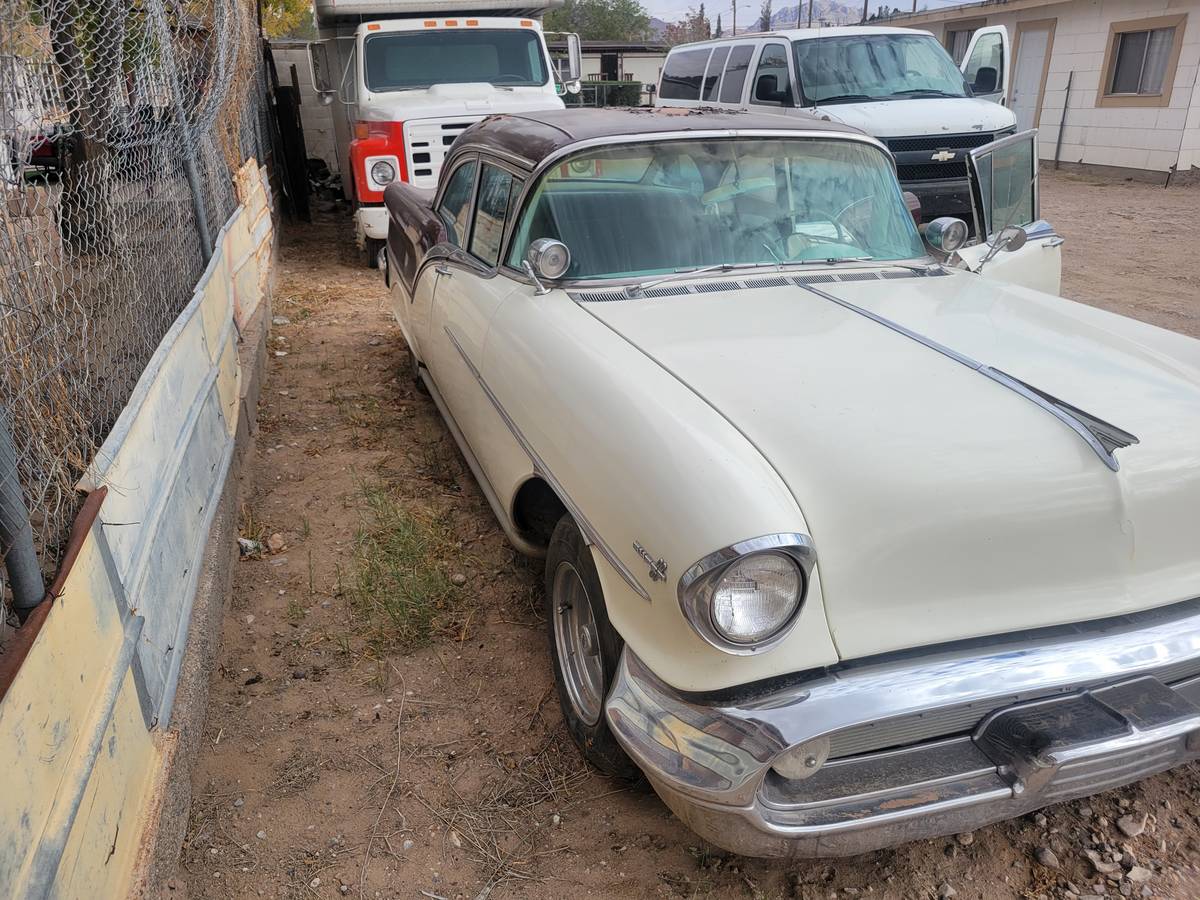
404 60
875 67
661 207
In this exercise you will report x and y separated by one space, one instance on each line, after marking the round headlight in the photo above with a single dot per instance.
756 597
383 173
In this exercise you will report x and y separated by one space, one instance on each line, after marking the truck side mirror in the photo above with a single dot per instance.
985 80
568 81
574 59
319 71
767 89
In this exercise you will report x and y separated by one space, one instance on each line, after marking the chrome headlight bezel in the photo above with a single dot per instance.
698 584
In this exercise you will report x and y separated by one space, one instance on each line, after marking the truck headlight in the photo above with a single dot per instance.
744 598
383 172
756 597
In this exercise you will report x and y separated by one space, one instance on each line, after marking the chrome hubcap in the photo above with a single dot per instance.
577 645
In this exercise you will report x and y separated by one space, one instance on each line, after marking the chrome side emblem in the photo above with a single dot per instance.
943 156
658 567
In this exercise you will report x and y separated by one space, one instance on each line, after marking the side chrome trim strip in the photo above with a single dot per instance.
1061 410
543 470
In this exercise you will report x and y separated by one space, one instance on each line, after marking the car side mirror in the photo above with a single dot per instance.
767 89
547 259
1011 238
946 234
985 80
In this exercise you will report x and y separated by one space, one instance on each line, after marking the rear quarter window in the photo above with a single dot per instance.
683 73
735 73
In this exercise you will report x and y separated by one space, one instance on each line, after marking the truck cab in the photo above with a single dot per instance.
406 77
897 84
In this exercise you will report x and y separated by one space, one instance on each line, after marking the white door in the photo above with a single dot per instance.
986 65
1032 46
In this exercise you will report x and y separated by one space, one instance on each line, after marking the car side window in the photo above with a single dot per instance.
735 73
772 84
683 74
497 193
455 208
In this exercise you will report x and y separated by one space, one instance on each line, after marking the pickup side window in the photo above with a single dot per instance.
735 73
683 73
497 192
713 76
985 69
455 209
772 85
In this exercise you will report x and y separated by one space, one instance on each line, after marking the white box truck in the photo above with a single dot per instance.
406 77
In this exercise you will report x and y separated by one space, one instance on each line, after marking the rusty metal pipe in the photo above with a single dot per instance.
16 534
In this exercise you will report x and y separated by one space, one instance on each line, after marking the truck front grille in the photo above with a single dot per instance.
927 157
426 142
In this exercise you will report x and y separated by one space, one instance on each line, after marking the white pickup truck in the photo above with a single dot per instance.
406 77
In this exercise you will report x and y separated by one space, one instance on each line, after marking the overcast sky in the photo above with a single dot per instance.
673 10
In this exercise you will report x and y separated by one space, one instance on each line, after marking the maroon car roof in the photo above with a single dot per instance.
532 136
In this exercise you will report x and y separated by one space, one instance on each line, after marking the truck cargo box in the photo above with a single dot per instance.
330 11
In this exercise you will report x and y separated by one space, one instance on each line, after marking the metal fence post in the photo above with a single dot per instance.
16 534
185 132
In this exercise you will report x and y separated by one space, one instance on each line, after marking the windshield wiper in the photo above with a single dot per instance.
924 92
846 98
831 261
632 290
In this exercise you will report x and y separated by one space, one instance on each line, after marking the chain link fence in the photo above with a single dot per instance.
121 124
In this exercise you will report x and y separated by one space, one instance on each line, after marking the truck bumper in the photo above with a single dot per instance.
909 747
943 197
370 222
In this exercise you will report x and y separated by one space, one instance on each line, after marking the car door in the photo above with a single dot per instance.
771 85
986 63
1004 191
471 286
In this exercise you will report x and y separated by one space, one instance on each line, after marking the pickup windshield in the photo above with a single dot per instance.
875 67
661 207
405 60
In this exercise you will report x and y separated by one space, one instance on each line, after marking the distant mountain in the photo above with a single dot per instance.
657 28
830 12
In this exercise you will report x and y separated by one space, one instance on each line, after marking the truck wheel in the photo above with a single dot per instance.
372 246
584 648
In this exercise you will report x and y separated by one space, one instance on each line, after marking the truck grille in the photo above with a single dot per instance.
915 156
426 142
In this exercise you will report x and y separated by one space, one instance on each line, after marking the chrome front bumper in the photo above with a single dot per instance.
945 740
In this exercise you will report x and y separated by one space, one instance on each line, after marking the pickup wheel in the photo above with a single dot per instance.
372 247
584 648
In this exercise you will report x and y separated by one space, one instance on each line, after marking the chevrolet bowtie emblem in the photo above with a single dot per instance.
943 156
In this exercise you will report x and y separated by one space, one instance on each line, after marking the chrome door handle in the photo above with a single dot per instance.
1054 242
443 270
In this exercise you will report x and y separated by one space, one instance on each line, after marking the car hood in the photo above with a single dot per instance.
944 505
922 115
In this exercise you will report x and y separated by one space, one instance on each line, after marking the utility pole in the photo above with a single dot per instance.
866 3
810 7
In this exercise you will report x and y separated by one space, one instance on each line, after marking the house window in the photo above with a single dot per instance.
1139 65
958 36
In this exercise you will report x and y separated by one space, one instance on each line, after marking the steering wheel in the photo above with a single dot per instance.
771 231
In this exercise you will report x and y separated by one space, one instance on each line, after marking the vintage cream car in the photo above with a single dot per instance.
849 539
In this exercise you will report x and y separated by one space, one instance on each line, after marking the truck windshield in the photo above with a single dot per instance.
665 206
404 60
875 67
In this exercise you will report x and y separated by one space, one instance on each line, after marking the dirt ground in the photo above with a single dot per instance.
343 758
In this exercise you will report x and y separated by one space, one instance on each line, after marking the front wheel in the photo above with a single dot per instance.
584 648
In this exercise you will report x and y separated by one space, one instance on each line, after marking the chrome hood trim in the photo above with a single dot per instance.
1103 437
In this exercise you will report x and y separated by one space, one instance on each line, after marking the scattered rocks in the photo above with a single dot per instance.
239 802
1132 825
262 835
275 542
1100 864
966 839
315 883
407 845
945 892
299 674
458 578
455 840
280 320
1139 874
254 679
1046 857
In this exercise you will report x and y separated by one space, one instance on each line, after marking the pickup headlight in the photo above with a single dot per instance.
383 172
745 598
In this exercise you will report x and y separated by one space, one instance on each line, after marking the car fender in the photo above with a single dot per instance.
644 460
